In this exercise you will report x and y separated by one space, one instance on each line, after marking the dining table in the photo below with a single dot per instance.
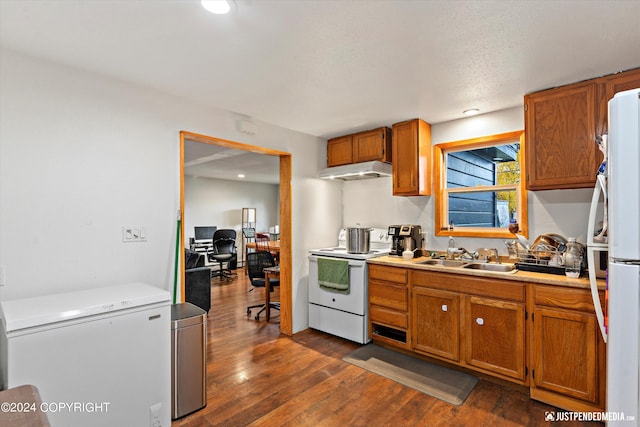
274 245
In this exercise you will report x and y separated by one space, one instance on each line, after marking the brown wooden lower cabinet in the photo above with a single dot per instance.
389 306
542 336
476 332
436 322
567 351
495 336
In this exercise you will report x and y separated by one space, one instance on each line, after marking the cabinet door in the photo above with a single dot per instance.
436 322
613 84
560 128
565 353
495 338
340 151
411 148
371 145
623 81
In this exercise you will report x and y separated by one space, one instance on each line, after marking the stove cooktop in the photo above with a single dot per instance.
379 245
340 252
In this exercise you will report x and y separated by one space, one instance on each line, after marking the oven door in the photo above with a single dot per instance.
353 302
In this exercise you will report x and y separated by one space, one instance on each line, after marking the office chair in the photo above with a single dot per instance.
257 262
223 250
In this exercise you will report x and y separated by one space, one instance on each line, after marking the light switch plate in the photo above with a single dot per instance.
133 234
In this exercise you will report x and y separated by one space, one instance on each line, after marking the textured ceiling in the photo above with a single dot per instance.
333 67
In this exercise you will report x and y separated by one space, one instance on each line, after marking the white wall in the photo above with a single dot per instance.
219 202
82 155
370 201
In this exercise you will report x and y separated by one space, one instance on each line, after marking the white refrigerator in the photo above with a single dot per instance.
623 346
99 357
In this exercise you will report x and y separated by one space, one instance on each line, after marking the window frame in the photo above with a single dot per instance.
441 226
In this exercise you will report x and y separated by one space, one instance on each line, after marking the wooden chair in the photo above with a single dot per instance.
262 244
249 234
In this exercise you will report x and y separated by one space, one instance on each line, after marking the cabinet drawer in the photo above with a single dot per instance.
472 285
388 274
563 297
388 295
387 317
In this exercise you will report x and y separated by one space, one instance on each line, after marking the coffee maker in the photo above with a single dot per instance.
405 237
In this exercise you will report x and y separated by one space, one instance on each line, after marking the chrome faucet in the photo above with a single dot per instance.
463 251
487 253
453 251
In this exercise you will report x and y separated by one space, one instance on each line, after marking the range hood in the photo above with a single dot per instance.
355 171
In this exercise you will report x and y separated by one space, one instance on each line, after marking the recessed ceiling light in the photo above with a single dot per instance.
219 7
240 175
471 112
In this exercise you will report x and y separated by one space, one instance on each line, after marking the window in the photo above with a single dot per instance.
480 186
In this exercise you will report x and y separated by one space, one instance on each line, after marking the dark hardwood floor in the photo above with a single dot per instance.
257 377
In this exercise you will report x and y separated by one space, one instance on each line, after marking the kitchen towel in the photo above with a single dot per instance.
333 274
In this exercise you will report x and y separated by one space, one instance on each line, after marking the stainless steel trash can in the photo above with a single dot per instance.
188 359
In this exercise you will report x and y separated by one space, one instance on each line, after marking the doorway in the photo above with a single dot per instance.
286 326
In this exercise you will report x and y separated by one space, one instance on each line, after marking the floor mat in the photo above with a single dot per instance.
437 381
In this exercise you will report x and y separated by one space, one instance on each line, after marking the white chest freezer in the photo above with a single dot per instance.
99 357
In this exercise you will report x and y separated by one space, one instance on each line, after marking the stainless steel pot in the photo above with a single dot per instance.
358 240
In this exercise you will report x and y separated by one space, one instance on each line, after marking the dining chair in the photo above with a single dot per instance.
263 244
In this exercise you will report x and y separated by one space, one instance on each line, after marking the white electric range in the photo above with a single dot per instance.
339 313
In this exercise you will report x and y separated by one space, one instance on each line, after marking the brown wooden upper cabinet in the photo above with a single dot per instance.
340 151
613 84
360 147
560 131
412 158
561 125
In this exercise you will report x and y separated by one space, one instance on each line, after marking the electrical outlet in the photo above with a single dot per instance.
154 415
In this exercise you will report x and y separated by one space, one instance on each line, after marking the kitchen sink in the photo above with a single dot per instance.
445 262
491 267
488 266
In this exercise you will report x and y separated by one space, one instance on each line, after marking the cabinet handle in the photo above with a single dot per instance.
480 321
444 307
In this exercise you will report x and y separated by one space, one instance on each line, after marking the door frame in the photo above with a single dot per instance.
286 326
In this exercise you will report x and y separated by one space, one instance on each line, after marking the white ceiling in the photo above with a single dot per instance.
329 67
212 161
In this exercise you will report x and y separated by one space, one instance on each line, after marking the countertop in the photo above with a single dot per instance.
517 275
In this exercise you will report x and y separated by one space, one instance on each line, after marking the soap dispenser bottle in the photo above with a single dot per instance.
451 250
